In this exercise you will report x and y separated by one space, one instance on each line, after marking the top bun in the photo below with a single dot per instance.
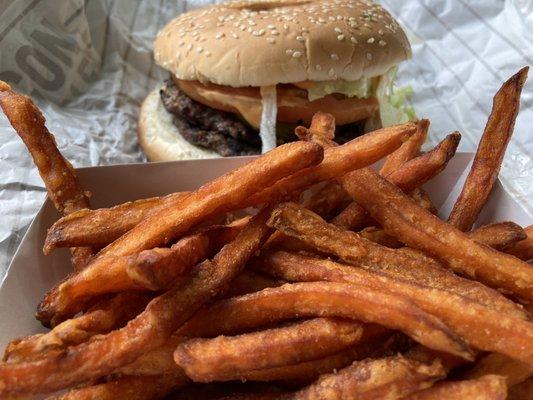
266 42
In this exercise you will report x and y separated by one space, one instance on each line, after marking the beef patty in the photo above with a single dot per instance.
224 132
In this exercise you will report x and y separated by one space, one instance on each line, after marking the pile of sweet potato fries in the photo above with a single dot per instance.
344 284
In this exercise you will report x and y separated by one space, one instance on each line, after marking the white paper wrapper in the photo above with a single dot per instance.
89 64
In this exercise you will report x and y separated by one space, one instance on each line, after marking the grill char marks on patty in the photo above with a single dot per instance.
206 127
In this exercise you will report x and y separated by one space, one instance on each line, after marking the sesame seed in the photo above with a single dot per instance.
250 30
199 49
371 40
251 22
181 43
189 47
260 32
331 18
368 56
334 56
382 43
340 38
219 35
353 39
297 54
331 72
208 54
318 67
285 26
381 32
300 38
271 40
338 30
234 35
289 51
274 33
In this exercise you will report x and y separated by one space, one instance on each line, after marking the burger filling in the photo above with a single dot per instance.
227 119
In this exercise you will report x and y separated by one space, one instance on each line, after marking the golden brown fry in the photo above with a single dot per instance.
426 166
330 300
480 326
220 195
396 213
522 391
357 153
154 269
405 264
100 227
128 387
421 197
204 360
57 173
488 387
106 315
489 156
149 330
523 249
391 377
322 127
513 371
406 151
408 177
327 201
498 235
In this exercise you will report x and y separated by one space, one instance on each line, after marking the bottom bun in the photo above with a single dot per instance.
160 139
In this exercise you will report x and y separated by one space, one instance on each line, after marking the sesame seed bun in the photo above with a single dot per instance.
159 137
266 42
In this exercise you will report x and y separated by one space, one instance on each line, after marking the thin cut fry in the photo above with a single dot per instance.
523 249
131 388
220 195
488 387
410 176
154 269
406 151
106 315
357 153
328 300
396 213
480 326
419 167
514 371
490 153
407 265
100 227
392 377
498 235
163 315
204 360
57 173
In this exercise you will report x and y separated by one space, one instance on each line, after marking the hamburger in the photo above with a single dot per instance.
244 74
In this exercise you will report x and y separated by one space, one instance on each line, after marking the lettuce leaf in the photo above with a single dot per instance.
393 107
361 88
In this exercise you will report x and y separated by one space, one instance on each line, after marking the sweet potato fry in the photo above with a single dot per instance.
523 249
106 315
480 326
488 387
406 151
522 391
513 371
154 269
417 228
329 300
327 201
357 153
489 156
100 227
205 359
327 238
128 387
391 377
498 235
220 195
408 177
57 173
149 330
419 167
378 235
